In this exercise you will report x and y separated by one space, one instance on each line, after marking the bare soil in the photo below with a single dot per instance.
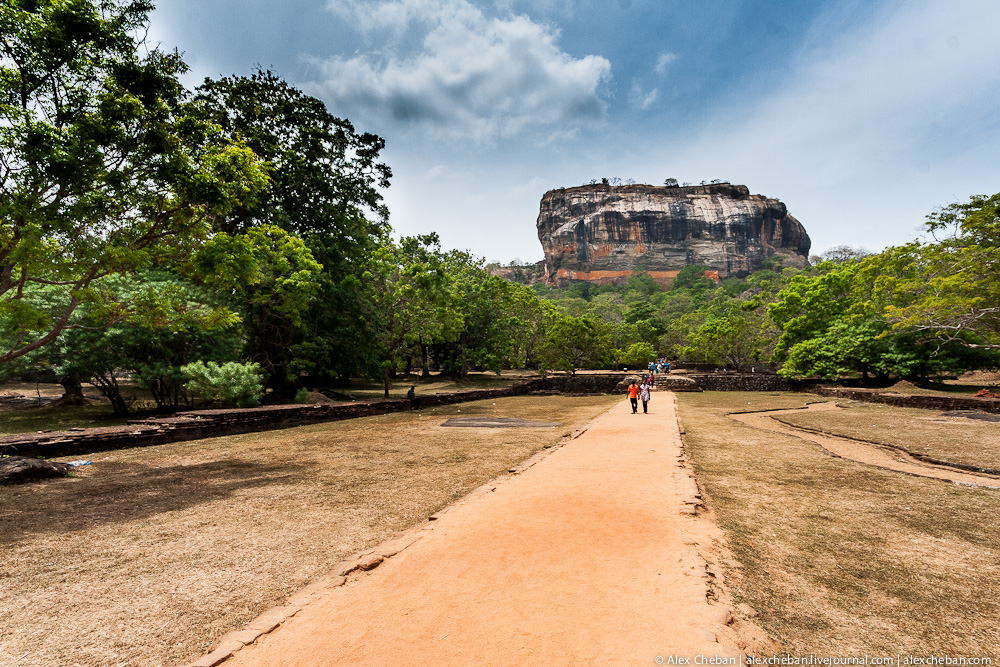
839 558
586 558
149 555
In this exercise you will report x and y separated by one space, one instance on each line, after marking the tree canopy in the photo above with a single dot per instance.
103 170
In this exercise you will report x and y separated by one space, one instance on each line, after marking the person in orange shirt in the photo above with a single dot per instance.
633 396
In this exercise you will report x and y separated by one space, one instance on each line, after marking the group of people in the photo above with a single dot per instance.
659 366
640 392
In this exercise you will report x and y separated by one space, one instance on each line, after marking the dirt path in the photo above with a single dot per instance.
888 458
588 557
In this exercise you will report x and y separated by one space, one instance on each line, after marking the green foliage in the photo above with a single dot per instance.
105 170
182 324
411 301
302 395
739 340
572 343
692 276
273 278
638 355
231 382
952 287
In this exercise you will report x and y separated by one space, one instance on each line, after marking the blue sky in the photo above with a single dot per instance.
862 116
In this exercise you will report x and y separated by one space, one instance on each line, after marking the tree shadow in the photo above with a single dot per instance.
126 492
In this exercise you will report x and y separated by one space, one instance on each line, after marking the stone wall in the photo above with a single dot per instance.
742 382
925 402
588 383
196 424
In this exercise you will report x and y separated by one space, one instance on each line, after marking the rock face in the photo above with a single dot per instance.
602 233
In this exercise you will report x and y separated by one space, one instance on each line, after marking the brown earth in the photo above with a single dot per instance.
148 556
879 455
844 559
589 557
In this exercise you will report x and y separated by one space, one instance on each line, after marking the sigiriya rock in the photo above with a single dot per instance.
601 233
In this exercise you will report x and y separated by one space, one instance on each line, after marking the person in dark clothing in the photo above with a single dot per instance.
412 396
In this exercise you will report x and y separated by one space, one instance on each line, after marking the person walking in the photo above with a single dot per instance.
644 395
633 396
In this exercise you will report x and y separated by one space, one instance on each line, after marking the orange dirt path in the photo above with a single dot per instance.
589 557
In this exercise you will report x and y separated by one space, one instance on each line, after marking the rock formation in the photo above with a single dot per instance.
602 233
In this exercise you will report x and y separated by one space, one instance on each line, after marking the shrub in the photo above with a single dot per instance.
231 382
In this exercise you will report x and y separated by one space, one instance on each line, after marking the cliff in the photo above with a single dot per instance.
602 233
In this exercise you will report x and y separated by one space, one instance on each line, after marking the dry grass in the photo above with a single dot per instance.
843 559
951 439
151 554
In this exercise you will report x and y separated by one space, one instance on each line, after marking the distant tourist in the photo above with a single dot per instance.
412 396
633 396
644 395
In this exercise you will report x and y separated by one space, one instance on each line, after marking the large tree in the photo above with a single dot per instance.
951 291
324 186
102 170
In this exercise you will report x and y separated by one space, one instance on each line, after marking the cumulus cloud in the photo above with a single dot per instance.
473 77
663 61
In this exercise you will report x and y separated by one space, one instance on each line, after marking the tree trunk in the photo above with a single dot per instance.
385 380
425 365
72 391
409 364
465 358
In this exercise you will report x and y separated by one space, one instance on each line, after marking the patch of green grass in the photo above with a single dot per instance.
27 420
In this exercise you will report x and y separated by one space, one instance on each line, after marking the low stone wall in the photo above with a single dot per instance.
588 383
196 424
742 382
925 402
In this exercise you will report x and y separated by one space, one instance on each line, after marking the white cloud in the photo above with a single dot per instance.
641 99
474 77
663 60
875 128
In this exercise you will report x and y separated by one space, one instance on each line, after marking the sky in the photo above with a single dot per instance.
862 116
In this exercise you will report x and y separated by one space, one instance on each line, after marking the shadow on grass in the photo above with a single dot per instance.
125 492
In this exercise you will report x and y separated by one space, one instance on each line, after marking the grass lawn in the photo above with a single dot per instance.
843 559
151 554
950 439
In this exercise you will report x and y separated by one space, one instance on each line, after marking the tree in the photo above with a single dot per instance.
409 298
273 278
325 180
181 323
692 276
638 355
835 323
102 168
497 319
952 291
742 338
840 254
671 183
574 342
